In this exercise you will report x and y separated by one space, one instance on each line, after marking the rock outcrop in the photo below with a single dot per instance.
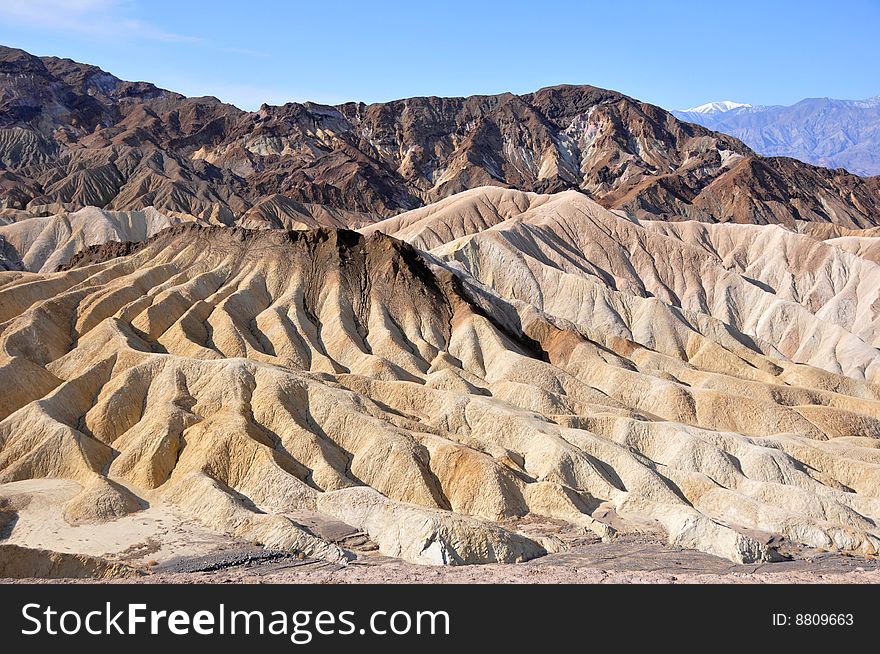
26 563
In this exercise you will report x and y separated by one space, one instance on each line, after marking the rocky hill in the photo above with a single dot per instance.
72 135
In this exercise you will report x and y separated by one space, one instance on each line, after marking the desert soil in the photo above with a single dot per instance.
170 549
628 560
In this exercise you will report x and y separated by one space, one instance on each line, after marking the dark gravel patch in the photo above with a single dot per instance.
225 559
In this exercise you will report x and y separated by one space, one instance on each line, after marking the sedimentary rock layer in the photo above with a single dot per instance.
531 355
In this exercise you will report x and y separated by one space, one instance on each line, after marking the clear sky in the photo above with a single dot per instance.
672 53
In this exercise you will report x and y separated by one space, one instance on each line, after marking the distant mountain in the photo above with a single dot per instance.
715 107
821 131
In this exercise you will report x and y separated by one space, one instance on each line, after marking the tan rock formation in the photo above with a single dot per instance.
24 563
544 357
43 244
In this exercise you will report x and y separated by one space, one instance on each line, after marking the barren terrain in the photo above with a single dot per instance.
713 386
560 336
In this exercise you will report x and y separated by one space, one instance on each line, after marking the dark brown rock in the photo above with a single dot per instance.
73 135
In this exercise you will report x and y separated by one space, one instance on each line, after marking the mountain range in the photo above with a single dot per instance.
72 135
821 131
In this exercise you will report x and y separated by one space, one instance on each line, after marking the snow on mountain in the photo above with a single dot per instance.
715 107
821 131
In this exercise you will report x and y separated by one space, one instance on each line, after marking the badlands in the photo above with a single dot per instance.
486 379
562 330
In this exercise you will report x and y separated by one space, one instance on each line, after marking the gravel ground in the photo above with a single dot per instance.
629 559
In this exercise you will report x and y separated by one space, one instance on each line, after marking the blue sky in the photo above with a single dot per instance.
674 54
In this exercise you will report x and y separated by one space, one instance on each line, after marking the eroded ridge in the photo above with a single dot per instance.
430 400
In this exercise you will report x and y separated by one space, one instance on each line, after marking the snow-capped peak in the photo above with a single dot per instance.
870 103
716 107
